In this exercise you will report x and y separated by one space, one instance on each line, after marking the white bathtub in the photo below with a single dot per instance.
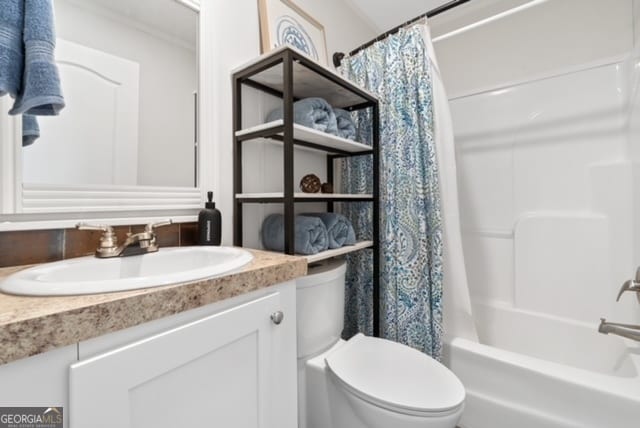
536 371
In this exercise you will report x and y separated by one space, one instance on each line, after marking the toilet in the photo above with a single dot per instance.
364 382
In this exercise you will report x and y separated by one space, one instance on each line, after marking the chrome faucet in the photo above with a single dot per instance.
628 331
137 243
630 285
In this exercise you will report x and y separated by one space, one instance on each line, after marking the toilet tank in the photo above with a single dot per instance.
320 307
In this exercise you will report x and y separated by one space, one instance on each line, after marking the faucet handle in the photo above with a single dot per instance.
86 226
629 285
152 226
108 240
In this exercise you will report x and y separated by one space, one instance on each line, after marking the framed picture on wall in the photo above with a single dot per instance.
283 22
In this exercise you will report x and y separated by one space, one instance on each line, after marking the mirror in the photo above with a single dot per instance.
129 73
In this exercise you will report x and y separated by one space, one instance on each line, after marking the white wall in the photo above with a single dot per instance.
344 28
634 86
633 69
544 169
636 22
168 78
232 48
540 41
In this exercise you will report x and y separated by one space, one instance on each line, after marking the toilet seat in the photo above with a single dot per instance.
396 377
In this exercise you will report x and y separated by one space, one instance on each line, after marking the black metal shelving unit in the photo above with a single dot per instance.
290 75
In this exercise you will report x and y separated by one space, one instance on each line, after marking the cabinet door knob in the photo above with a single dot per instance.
277 317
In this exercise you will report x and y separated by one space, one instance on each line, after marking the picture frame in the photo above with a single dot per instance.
284 22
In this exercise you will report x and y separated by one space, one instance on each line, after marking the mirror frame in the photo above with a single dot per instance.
37 204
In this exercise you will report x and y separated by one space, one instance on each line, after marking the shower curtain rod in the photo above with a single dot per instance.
338 56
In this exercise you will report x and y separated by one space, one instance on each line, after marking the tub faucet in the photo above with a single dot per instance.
136 243
629 331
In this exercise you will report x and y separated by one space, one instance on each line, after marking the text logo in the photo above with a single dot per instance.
31 417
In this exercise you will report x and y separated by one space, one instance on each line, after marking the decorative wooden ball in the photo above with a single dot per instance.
326 188
310 183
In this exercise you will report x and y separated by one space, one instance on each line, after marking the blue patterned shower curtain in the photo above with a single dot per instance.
398 71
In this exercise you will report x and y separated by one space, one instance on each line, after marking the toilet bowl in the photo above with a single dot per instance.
364 382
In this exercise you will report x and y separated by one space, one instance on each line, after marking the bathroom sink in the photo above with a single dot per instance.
90 275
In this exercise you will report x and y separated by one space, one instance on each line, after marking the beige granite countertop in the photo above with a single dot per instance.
32 325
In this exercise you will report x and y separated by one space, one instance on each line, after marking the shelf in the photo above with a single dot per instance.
305 136
339 251
309 79
275 197
288 74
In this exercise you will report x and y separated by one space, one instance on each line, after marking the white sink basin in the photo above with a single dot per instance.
90 275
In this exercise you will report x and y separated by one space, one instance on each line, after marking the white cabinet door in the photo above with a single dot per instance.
38 381
213 372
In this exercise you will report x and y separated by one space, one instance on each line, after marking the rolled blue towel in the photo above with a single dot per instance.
30 130
339 229
40 92
346 125
311 234
313 113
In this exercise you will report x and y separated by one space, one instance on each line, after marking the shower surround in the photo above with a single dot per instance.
550 201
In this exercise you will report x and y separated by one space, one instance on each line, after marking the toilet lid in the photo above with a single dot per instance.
395 376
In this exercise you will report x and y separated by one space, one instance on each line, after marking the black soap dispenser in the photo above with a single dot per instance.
209 223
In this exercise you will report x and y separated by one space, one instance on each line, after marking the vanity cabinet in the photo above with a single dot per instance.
228 364
38 381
